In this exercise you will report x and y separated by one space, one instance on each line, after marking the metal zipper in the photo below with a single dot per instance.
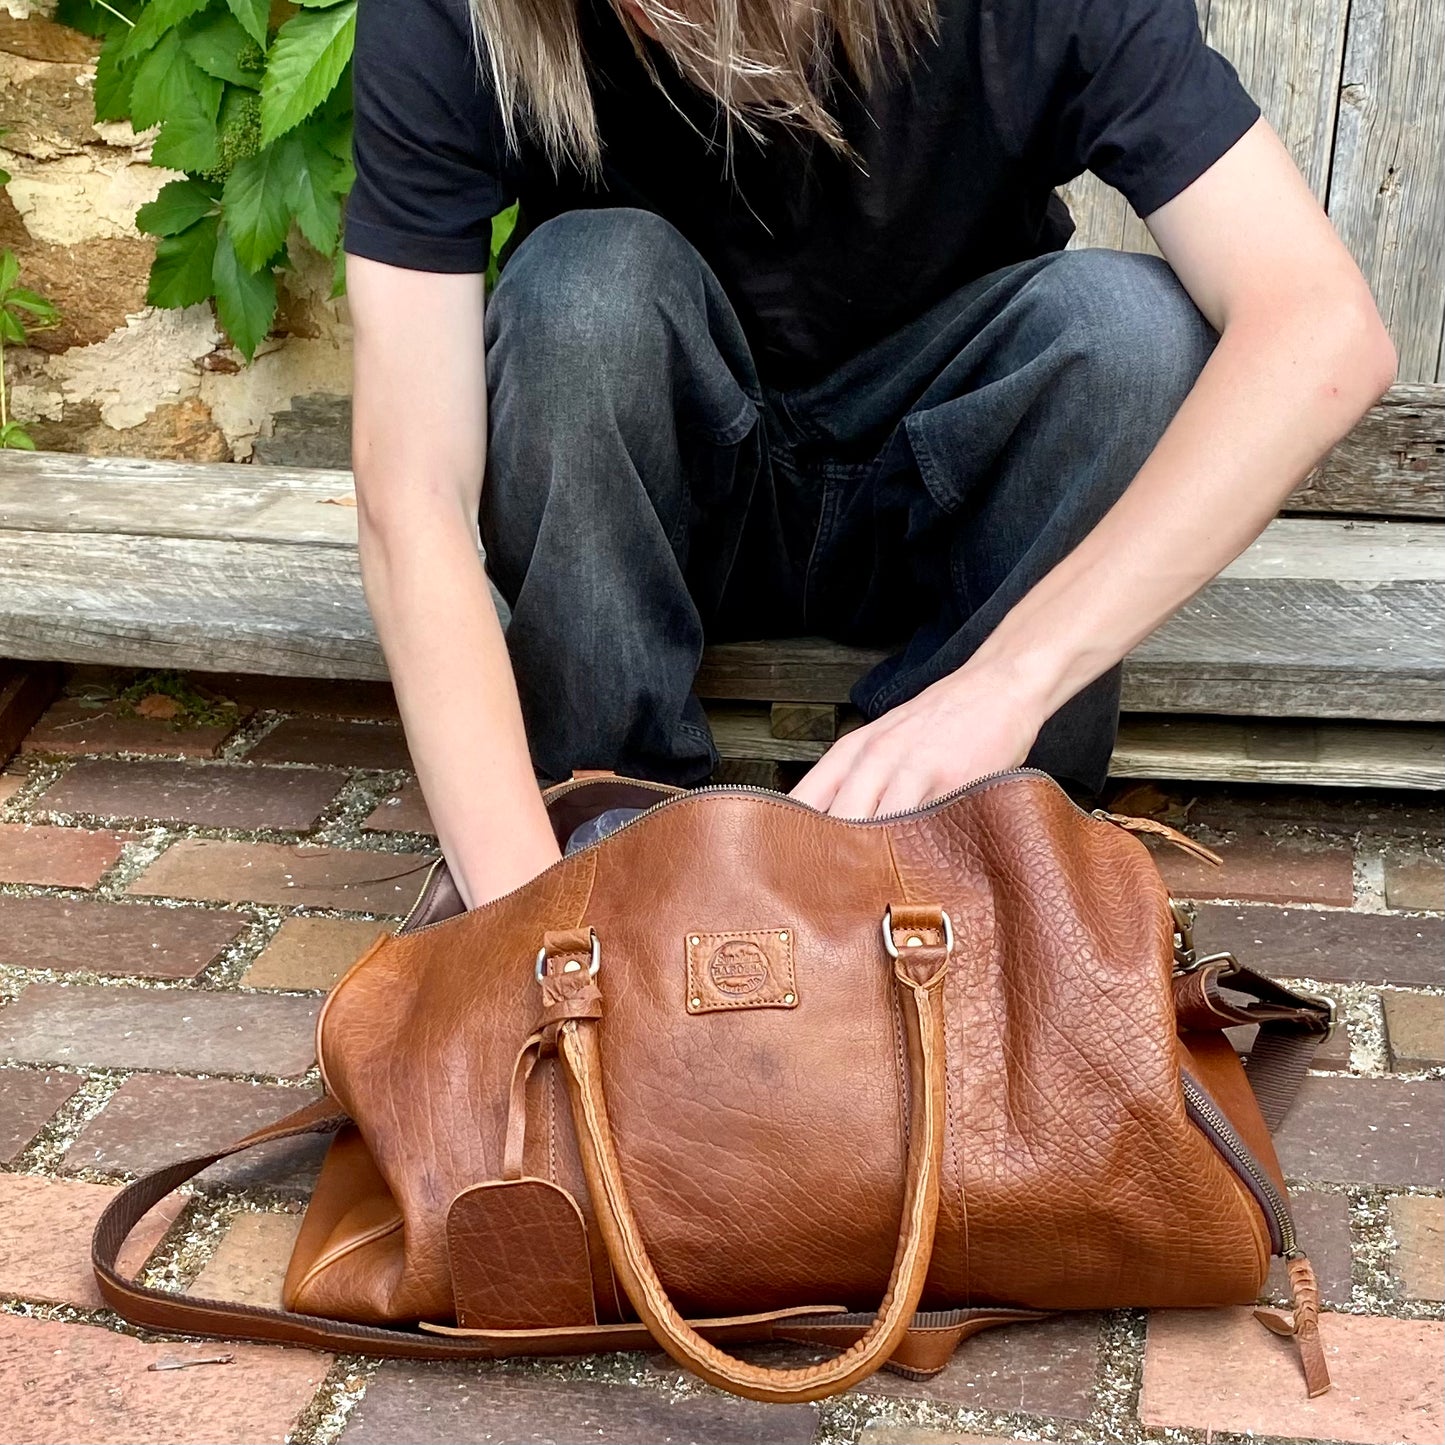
745 789
1211 1119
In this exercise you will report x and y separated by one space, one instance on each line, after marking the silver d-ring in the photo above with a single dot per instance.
591 967
892 948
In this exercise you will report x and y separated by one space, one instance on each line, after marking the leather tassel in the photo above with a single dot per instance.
1304 1328
1161 830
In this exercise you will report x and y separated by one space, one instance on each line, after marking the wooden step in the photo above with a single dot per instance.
1316 754
253 569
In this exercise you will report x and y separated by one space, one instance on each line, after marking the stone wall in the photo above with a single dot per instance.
118 377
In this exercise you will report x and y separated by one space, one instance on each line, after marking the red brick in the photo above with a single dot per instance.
1219 1370
45 1229
250 1263
455 1404
405 811
56 857
297 875
195 1030
211 795
1415 1023
1365 1131
10 784
1419 1221
1414 882
1261 868
66 1382
1048 1368
113 939
315 696
332 742
312 952
1332 945
1323 1224
156 1120
28 1098
72 725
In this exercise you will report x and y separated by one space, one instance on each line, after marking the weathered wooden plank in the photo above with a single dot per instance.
804 721
1392 464
49 468
1327 549
218 606
1204 749
789 669
1387 180
1335 642
1313 754
41 492
1321 618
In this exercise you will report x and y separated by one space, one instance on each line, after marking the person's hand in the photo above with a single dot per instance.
970 724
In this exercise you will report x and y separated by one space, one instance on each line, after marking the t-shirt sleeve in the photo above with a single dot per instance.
1126 89
429 153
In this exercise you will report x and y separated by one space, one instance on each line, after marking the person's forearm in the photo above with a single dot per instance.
453 679
1278 392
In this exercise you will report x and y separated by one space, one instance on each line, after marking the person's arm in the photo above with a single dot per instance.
419 449
1302 356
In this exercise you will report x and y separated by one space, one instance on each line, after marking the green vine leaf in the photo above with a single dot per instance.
14 437
157 19
253 15
182 270
221 47
187 142
312 194
245 299
179 205
169 83
306 60
256 204
114 77
41 314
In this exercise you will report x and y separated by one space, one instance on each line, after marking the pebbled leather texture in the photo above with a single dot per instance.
518 1255
764 1149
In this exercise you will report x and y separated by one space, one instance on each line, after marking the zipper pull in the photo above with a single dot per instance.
1304 1327
1160 830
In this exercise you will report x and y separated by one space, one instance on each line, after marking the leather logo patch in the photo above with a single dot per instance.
748 969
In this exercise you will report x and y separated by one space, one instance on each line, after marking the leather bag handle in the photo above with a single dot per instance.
920 966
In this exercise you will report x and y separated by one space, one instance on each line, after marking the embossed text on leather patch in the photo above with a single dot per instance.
752 968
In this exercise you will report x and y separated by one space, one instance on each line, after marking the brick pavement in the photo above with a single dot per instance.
175 901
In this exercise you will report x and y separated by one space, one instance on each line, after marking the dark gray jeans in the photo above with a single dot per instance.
645 492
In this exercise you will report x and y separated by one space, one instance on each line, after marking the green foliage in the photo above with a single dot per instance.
21 312
305 62
257 116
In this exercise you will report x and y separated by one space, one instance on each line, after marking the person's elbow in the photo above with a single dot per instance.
1344 340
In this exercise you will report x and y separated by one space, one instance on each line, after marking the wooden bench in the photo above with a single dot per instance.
1315 658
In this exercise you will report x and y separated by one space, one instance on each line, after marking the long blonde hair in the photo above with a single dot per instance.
761 59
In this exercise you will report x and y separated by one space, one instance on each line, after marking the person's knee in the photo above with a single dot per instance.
1137 339
581 308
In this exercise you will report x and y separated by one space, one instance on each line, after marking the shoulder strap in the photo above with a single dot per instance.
1221 993
173 1313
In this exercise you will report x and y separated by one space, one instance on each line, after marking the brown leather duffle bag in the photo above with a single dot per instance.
741 1071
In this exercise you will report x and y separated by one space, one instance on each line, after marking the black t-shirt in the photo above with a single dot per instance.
955 158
